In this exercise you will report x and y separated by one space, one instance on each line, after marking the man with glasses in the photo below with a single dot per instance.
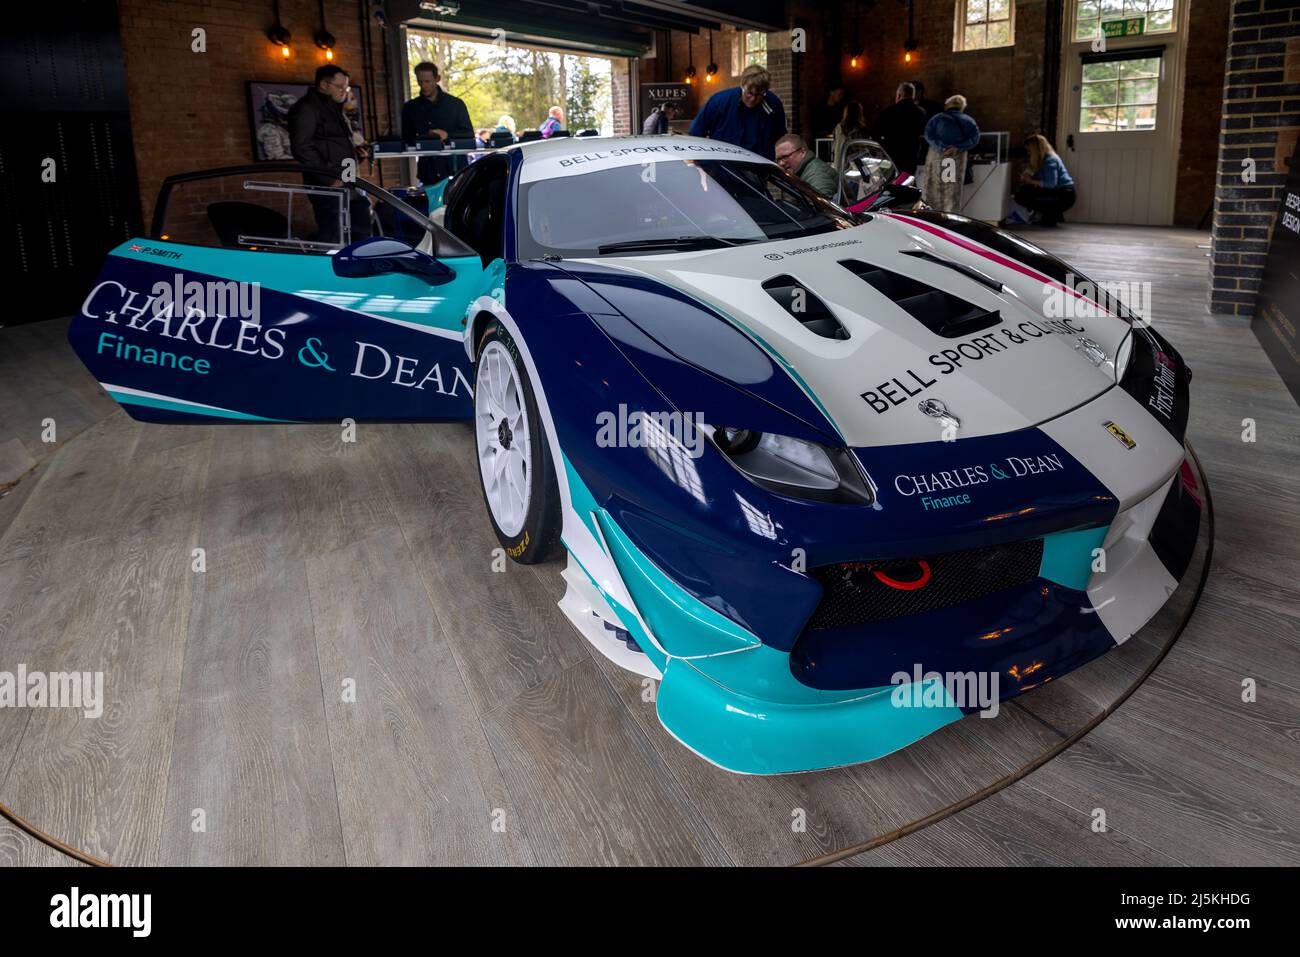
320 135
750 116
793 156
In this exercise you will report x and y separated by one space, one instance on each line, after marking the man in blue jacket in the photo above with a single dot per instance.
949 135
749 116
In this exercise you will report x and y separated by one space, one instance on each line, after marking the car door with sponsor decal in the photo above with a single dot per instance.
241 309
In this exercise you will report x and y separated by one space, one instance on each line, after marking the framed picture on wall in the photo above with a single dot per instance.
654 94
269 102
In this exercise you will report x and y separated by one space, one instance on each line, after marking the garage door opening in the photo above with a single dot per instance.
514 86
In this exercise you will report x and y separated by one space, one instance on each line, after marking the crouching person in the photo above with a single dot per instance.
1047 187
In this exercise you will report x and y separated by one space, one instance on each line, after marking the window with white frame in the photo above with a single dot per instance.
1157 16
1119 94
982 24
755 48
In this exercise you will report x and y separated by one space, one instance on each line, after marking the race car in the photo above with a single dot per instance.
834 482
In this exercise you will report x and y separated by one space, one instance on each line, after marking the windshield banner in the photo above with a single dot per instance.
654 150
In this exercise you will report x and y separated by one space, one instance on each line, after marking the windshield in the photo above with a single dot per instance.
663 206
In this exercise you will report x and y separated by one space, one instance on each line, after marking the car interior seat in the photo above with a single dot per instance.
476 208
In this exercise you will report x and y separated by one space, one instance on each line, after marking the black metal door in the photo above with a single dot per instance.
68 187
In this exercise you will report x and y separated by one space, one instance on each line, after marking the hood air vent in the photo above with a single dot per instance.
940 312
798 300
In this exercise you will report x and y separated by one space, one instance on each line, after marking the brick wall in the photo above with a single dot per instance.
1207 39
796 77
1261 119
621 95
189 110
695 50
781 67
1003 86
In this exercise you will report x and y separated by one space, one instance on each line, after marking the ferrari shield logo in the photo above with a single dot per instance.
1120 434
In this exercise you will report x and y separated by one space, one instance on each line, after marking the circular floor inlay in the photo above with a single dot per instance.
309 658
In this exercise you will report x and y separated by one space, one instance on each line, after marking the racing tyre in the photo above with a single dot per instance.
514 457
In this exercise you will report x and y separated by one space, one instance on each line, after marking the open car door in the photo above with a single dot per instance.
261 300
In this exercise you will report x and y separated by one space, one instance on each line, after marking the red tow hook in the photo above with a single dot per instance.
906 586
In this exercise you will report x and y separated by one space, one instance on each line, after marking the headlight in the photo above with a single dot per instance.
794 467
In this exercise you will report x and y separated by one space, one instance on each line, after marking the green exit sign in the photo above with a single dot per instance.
1129 27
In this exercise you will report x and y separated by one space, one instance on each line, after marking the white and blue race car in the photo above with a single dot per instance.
791 454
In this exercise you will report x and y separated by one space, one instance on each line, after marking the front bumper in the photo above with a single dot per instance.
750 711
748 735
846 695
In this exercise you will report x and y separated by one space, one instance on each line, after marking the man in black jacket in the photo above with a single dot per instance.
929 108
827 115
434 113
898 128
320 135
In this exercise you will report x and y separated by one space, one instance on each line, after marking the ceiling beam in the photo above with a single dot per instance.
637 14
741 13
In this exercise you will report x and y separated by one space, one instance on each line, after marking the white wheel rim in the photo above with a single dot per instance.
504 444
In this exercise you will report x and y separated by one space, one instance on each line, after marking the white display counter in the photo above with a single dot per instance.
989 197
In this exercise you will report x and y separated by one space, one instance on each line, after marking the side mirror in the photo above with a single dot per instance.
379 255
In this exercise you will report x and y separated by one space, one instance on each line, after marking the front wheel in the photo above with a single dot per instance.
515 468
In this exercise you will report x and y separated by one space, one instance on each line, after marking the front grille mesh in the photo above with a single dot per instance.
854 596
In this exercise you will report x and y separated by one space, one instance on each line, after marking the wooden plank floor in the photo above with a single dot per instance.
38 383
348 681
18 848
